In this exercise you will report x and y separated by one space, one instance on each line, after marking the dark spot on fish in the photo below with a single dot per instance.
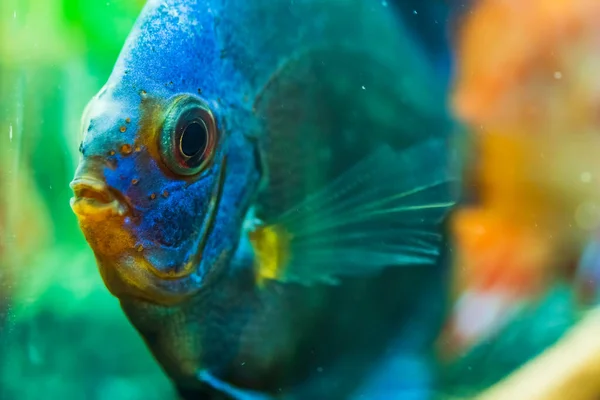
152 196
123 129
81 147
135 181
90 125
126 71
199 91
165 194
126 149
127 120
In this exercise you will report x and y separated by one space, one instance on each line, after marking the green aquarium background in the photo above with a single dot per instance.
62 335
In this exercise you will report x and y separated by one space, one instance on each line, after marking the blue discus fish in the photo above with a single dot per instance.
264 184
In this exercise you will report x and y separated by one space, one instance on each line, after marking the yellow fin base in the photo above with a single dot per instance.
272 252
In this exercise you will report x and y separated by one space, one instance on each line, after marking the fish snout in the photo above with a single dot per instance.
93 198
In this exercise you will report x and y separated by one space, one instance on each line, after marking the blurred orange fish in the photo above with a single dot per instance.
508 248
524 86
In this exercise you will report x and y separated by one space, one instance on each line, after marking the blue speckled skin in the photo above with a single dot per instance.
281 339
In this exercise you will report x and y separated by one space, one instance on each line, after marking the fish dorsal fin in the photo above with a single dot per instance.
386 211
319 116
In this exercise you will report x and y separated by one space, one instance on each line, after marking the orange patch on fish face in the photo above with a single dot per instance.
108 238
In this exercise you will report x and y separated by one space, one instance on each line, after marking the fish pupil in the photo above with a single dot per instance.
193 139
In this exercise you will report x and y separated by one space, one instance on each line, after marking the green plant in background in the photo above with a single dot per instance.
101 25
62 334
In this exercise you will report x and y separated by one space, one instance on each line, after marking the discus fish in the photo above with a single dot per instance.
250 175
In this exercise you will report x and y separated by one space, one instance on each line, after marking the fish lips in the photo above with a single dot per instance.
94 200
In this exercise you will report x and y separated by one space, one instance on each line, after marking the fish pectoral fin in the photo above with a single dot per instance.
385 211
229 390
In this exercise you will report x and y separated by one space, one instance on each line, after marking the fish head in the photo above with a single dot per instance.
166 167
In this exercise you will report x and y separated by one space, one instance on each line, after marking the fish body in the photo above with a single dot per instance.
248 175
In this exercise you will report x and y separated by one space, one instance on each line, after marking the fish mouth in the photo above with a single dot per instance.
94 199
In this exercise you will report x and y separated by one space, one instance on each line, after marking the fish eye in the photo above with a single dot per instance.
188 136
193 139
